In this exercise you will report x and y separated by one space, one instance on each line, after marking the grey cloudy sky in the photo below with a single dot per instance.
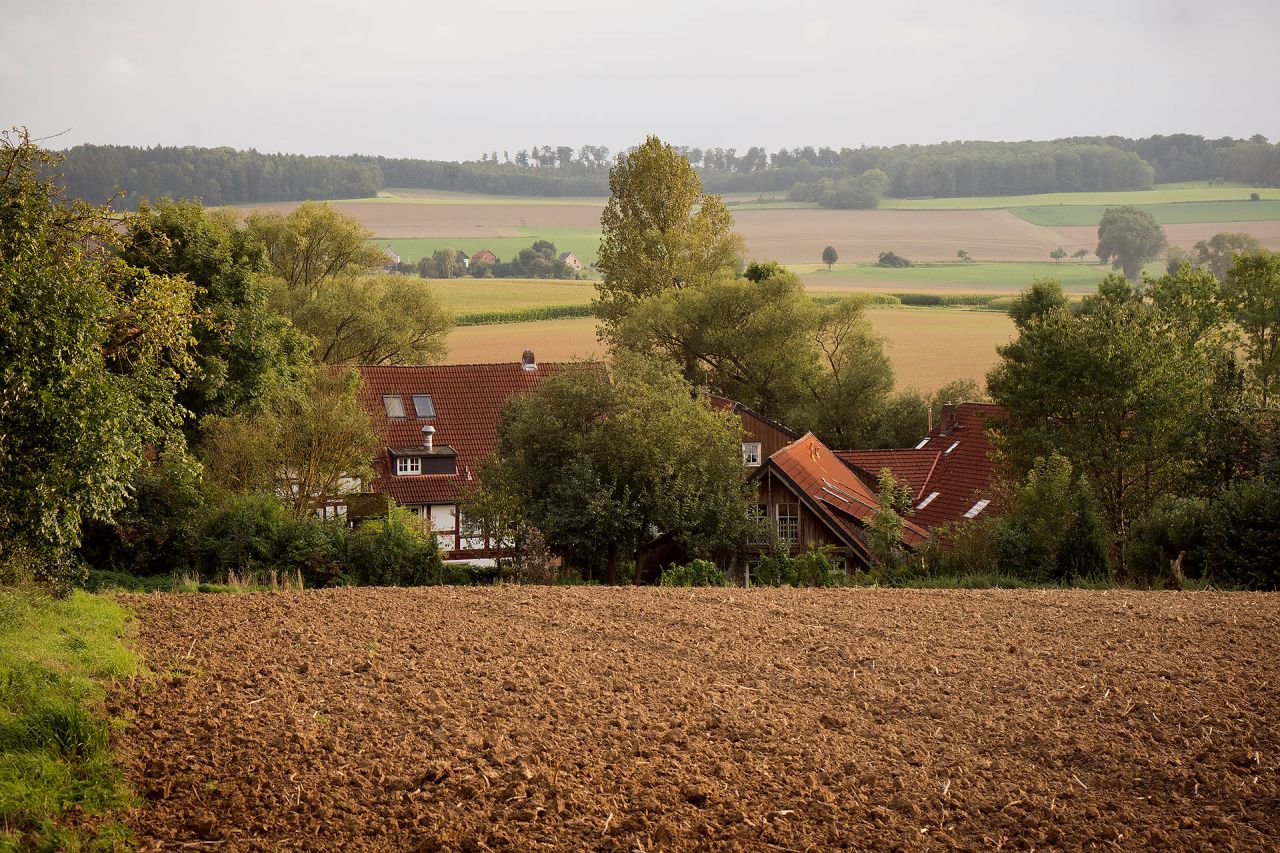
452 79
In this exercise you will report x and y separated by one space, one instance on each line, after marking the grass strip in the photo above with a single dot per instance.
56 768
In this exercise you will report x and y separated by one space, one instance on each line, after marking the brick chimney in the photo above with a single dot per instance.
947 418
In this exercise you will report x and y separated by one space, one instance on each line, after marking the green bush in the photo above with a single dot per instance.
890 259
393 551
1242 535
1172 530
814 568
694 573
523 315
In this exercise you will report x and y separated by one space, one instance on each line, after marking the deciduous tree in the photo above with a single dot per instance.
315 243
830 256
1128 238
660 232
91 351
306 447
1217 253
600 464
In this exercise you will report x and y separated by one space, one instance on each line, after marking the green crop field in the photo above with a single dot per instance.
1165 214
1162 194
582 242
967 278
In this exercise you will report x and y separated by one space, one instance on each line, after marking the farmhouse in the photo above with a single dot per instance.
464 257
571 260
811 495
393 257
437 425
484 256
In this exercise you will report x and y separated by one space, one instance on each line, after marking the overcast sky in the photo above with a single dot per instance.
451 80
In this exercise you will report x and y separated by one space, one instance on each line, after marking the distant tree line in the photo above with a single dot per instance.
214 175
1081 164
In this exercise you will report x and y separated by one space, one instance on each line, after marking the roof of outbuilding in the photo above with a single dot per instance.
956 455
719 401
838 495
468 401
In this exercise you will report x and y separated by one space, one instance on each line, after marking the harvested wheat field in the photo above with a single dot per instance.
518 718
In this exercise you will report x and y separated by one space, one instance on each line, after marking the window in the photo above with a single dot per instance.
976 508
408 465
842 565
393 405
789 522
924 503
953 446
423 406
922 443
751 453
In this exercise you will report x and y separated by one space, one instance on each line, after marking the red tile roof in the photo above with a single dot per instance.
468 400
958 457
910 467
839 497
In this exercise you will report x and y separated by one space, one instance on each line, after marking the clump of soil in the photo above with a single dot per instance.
624 719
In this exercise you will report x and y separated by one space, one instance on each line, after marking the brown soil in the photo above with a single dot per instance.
1185 235
798 236
626 719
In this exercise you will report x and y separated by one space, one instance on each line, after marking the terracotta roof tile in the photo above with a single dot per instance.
956 458
468 401
842 497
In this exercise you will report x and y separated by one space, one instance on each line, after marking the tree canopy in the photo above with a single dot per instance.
1128 238
600 463
91 352
660 232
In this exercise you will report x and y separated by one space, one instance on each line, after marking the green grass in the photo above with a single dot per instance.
583 242
993 277
1165 214
1162 194
55 657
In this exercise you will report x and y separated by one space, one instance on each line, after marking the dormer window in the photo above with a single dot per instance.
408 465
423 406
393 405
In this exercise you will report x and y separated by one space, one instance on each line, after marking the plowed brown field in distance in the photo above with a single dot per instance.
624 719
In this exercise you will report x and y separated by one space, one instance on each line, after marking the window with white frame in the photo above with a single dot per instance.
789 522
393 405
751 453
408 465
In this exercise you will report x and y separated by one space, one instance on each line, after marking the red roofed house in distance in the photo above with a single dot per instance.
437 425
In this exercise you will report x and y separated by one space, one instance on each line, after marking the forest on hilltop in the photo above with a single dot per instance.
1080 164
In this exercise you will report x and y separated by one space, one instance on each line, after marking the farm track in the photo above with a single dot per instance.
624 719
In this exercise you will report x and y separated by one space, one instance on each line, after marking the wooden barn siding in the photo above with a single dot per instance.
812 530
770 437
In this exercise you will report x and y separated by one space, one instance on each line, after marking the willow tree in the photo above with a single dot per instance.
661 232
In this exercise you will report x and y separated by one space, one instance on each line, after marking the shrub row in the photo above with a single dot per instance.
523 315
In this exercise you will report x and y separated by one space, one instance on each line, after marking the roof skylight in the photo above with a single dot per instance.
976 508
423 406
924 503
393 405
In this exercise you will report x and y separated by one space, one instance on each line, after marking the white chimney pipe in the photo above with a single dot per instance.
428 433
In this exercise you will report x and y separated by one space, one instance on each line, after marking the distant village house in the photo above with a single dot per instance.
484 256
571 260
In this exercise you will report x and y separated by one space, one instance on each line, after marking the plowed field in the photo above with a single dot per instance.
626 719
